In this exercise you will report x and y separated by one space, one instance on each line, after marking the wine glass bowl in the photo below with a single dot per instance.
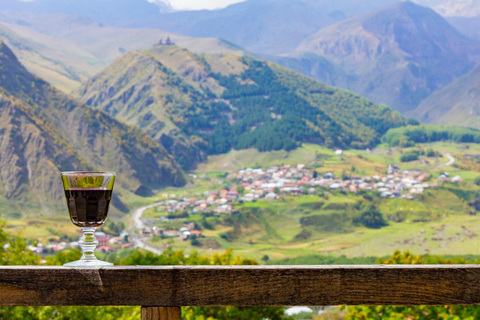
88 196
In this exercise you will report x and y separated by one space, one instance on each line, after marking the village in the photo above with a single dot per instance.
107 243
277 181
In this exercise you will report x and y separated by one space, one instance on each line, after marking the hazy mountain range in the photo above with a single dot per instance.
395 53
117 13
398 55
457 103
453 8
66 50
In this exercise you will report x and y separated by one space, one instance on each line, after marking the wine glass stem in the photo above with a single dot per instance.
88 243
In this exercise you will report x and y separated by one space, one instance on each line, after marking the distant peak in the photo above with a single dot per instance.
408 5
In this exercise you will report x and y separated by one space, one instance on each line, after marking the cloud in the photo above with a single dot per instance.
197 4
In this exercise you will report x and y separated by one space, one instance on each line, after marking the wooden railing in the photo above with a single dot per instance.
162 290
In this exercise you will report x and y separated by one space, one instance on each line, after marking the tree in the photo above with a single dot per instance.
265 258
372 218
477 181
409 156
246 313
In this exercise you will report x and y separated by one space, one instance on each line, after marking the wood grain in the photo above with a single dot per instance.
160 313
241 285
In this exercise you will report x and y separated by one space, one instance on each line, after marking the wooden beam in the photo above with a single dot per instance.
159 313
241 285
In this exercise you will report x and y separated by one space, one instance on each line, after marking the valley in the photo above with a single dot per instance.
437 220
317 221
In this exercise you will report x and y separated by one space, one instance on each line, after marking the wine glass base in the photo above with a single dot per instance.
88 264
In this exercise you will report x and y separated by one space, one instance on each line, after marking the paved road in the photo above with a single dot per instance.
451 159
137 215
137 225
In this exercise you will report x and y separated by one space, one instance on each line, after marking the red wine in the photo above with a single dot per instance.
88 207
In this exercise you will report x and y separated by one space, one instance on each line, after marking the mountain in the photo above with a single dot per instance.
456 104
116 13
397 56
265 26
453 8
44 132
59 62
469 26
260 26
464 15
208 104
66 50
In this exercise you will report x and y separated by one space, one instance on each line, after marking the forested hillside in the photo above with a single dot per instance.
43 132
410 135
209 104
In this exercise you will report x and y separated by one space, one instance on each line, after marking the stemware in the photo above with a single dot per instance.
88 196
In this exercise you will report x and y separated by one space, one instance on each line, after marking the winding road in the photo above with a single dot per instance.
450 158
137 225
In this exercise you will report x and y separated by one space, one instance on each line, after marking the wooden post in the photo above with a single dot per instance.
161 313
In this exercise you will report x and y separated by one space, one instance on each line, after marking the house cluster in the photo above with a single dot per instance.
216 202
277 181
186 232
106 243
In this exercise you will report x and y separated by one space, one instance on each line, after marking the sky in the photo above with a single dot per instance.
197 4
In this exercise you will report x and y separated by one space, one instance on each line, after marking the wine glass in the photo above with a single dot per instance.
88 195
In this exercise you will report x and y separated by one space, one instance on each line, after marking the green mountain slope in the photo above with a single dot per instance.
456 104
44 132
397 56
211 103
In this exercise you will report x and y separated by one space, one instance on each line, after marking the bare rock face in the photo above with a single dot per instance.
29 157
44 132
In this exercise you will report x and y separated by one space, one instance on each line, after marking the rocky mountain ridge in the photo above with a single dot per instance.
44 132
